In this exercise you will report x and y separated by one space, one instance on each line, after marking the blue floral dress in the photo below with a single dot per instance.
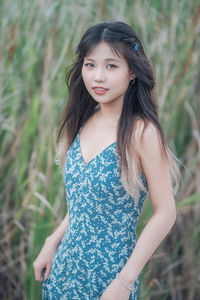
101 233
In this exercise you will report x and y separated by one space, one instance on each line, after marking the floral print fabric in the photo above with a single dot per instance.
101 233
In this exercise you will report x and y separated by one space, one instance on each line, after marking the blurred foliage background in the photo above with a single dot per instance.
37 42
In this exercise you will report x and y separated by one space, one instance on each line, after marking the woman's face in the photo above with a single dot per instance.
105 74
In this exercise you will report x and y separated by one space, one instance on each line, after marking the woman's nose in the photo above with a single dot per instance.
99 75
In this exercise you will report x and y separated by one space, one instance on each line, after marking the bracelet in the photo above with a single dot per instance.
125 283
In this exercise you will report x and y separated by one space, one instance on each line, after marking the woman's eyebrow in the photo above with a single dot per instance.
107 59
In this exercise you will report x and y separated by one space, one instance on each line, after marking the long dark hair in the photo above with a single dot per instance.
139 99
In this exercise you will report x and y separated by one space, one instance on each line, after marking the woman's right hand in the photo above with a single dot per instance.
45 259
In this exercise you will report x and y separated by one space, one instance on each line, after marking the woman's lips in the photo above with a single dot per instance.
99 91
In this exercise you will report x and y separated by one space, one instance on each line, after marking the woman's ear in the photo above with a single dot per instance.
132 76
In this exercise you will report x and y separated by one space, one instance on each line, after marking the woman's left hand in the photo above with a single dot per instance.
115 291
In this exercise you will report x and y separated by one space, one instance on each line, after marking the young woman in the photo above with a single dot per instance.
113 152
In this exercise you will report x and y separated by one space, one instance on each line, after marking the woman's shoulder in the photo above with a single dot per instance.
144 125
144 133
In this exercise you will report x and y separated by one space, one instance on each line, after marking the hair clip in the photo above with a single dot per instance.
136 46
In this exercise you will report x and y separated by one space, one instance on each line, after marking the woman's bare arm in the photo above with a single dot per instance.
57 235
156 170
45 257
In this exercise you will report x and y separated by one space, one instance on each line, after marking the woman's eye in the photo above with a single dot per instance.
112 66
90 65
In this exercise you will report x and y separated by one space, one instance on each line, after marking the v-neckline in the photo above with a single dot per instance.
96 156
